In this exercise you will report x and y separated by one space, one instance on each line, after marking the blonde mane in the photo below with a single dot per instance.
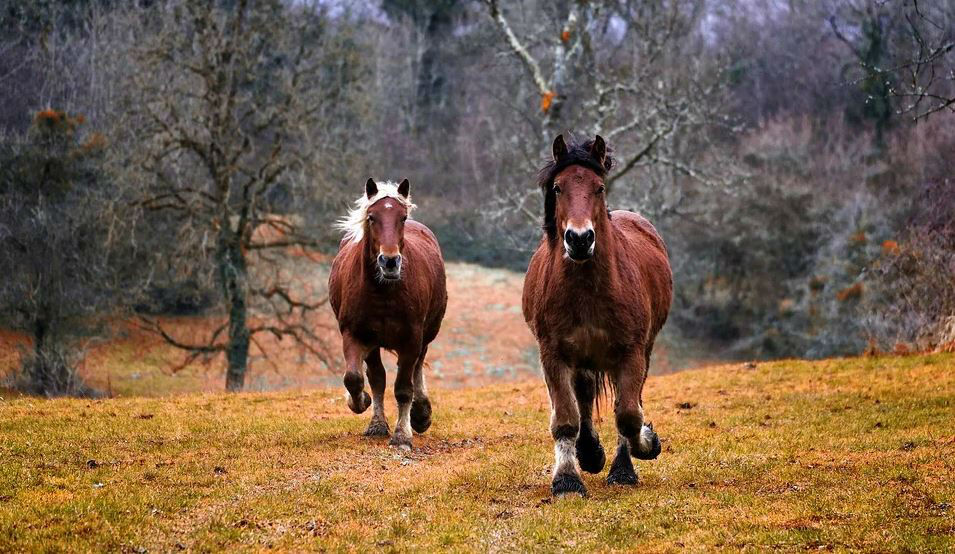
353 224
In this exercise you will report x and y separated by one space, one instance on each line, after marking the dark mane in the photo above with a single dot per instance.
578 153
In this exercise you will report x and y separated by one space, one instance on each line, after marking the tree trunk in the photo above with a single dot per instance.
431 90
39 334
38 371
232 275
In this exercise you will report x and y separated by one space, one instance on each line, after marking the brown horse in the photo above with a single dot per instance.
596 294
387 289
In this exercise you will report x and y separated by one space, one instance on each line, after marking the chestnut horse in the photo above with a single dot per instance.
596 294
387 289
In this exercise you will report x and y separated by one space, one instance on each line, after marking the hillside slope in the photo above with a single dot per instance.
855 453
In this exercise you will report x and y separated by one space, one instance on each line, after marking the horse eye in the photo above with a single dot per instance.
600 190
371 219
556 189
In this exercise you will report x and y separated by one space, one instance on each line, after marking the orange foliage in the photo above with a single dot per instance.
890 247
565 36
96 141
50 115
547 99
851 292
858 238
901 349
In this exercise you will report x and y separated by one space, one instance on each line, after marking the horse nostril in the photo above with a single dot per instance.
389 262
576 239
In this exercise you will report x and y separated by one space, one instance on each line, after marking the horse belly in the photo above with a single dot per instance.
588 346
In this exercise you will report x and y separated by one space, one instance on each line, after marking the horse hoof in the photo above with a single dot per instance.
620 475
648 444
400 441
377 429
567 483
591 456
421 415
363 403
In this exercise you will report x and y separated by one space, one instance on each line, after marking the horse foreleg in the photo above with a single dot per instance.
564 426
590 454
378 427
404 395
355 352
635 437
621 470
421 405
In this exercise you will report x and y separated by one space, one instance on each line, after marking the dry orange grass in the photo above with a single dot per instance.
853 454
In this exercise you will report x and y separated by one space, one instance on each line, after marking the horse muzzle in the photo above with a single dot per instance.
579 246
389 266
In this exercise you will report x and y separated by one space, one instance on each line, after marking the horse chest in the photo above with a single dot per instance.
588 333
382 321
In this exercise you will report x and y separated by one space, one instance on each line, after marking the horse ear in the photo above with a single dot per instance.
371 189
404 188
599 149
560 148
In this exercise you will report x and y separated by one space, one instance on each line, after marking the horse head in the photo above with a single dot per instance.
577 194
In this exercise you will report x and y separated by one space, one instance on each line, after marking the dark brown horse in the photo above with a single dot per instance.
387 289
596 294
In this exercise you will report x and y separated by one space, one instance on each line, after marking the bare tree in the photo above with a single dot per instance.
629 71
221 102
906 50
926 74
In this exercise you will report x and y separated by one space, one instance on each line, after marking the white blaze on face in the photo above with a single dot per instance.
389 205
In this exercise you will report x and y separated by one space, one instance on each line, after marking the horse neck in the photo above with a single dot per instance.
365 263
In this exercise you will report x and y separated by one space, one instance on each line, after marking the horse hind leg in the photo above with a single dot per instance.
358 399
648 444
635 437
590 453
378 426
421 405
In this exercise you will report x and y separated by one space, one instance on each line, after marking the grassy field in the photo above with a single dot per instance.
840 454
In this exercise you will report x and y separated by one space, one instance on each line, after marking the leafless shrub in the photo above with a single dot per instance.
52 371
914 297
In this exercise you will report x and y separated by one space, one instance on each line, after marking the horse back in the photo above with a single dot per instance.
641 244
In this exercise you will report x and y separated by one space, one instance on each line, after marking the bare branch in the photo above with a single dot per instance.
533 68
